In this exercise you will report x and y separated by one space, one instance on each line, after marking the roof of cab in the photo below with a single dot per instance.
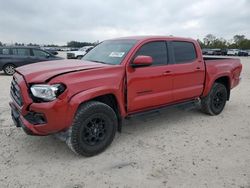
141 38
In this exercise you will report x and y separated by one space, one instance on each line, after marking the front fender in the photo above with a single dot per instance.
92 93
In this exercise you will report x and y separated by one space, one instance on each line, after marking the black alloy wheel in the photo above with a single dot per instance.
93 128
215 101
94 131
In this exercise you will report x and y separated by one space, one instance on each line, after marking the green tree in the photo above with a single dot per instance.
219 43
77 44
238 38
30 44
209 40
244 44
51 45
202 45
232 46
238 41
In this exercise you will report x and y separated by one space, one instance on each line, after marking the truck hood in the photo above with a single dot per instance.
44 71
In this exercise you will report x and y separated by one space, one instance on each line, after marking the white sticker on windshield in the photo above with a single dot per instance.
116 54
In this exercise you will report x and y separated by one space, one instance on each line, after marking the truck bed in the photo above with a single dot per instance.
221 67
209 59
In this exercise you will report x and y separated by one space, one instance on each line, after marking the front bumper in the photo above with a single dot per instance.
38 118
18 121
55 119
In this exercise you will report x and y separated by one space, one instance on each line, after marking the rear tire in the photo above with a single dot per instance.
93 129
215 101
9 69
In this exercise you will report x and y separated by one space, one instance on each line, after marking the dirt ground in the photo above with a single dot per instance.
175 148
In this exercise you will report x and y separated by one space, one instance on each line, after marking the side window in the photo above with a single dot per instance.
40 53
21 51
5 51
184 52
157 50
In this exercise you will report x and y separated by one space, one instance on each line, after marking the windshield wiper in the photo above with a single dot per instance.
98 61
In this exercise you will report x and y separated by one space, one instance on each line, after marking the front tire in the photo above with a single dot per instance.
215 101
93 129
9 69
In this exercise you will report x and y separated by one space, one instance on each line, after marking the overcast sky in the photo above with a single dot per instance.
59 21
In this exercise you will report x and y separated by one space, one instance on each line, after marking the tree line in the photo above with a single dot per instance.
209 41
74 44
238 42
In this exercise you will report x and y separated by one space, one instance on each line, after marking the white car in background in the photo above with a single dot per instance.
233 52
80 53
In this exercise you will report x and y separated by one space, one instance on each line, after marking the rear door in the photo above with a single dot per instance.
189 71
150 86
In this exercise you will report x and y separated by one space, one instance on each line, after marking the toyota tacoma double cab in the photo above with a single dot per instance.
86 101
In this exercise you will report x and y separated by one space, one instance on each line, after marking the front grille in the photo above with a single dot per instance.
16 92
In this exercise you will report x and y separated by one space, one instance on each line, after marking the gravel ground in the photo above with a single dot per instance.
175 148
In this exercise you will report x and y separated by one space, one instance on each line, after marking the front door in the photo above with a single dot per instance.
151 86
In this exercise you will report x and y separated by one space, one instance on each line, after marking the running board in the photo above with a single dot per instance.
188 105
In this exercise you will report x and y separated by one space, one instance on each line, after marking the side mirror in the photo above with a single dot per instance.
142 61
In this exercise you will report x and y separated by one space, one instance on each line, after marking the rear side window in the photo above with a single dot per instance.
5 51
21 51
157 50
184 52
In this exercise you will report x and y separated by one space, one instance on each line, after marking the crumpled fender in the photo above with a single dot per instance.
76 100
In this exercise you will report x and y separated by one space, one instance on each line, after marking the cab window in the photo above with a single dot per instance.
184 52
157 50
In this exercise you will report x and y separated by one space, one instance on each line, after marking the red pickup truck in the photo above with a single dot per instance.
86 100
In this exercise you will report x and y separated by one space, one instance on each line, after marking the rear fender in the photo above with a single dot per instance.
210 80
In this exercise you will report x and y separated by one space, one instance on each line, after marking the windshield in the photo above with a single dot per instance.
110 51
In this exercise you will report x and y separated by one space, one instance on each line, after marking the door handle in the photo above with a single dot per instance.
167 73
198 68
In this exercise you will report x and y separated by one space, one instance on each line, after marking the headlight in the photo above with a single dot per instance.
47 92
